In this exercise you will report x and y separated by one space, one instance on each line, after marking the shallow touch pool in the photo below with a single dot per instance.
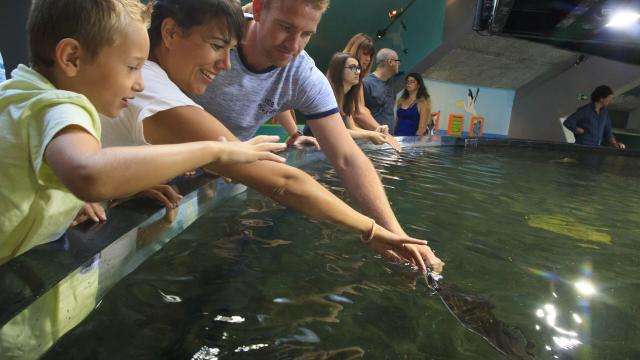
540 254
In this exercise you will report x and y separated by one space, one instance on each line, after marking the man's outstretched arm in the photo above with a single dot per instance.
356 171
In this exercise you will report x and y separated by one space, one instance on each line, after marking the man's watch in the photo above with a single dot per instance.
292 138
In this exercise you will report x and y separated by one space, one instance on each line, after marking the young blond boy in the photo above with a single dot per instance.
86 57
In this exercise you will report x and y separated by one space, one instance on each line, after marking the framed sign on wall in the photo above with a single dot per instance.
456 124
477 124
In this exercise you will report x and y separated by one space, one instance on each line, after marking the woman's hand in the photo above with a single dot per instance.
425 252
399 248
384 129
258 148
377 138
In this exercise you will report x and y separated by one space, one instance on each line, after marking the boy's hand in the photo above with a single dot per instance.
93 211
165 194
258 148
307 140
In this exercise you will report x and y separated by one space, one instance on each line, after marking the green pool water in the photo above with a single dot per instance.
542 259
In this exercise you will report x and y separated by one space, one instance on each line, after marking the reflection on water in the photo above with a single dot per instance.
541 257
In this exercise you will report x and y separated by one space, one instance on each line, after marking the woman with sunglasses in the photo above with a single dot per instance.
344 77
361 48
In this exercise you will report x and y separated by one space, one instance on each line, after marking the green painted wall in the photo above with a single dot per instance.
424 22
344 18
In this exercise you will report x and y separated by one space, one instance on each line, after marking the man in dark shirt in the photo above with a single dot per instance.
378 90
590 123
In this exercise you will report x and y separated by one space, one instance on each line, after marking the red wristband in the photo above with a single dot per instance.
293 138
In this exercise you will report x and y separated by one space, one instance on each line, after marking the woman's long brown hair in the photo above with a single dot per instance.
347 103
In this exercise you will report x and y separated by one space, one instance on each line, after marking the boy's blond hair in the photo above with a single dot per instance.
95 24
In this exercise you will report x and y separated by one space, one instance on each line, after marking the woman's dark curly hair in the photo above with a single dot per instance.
190 13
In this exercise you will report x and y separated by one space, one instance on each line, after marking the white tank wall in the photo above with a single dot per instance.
633 121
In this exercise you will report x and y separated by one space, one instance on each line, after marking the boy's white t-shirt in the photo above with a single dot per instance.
160 93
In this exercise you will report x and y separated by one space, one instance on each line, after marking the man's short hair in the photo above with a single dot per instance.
322 5
384 55
95 24
601 92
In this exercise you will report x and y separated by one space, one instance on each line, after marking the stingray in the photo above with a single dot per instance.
476 315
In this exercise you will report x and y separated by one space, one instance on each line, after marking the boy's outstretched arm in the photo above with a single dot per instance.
95 174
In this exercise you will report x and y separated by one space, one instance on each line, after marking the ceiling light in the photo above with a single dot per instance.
623 19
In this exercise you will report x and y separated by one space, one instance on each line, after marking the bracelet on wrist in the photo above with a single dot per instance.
292 138
371 232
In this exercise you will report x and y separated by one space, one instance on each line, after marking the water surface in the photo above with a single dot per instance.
541 257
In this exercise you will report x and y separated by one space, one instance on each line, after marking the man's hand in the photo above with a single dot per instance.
579 131
93 211
619 145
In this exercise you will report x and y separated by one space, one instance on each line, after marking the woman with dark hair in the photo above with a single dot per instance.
361 47
413 116
191 42
344 76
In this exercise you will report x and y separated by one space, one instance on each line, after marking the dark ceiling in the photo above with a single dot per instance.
579 25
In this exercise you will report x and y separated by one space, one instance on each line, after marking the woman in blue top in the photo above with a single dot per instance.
413 116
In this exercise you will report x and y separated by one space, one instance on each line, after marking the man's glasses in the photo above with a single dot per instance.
355 68
394 60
